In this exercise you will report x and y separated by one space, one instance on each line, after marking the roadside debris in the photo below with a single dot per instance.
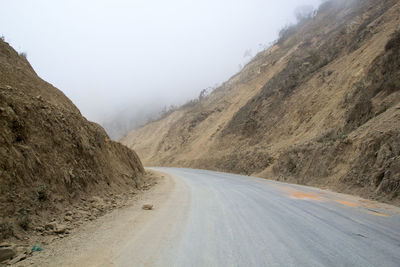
147 207
36 248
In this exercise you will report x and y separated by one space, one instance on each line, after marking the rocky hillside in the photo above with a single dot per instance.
321 107
51 157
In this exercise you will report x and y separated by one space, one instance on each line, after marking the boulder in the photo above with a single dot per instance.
68 218
6 253
68 213
60 229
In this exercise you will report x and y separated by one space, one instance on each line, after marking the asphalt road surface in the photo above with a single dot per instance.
219 219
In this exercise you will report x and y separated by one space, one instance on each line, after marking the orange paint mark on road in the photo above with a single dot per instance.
347 203
376 213
302 195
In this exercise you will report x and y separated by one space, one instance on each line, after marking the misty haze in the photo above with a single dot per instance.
200 133
121 62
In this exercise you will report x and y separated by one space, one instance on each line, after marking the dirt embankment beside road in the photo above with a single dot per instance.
52 160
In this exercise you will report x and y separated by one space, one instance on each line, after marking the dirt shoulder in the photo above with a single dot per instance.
91 240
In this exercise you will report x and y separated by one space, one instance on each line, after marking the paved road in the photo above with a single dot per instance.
231 220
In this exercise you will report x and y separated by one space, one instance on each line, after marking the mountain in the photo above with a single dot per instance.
320 107
51 157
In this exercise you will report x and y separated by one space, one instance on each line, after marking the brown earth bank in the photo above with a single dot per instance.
321 107
79 223
109 233
52 160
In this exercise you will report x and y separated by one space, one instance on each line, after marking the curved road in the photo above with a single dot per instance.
220 219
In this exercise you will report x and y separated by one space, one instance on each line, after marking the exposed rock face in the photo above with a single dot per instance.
50 155
321 107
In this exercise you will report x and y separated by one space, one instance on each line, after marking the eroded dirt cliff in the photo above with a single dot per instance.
51 157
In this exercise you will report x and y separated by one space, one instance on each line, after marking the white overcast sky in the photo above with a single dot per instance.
108 54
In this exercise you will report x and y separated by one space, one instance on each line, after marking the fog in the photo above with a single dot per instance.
119 60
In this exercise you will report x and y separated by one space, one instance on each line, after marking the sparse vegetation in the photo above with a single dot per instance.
303 14
24 222
6 230
285 33
190 103
394 42
42 193
23 55
166 111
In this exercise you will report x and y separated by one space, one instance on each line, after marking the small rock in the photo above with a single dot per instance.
51 226
39 229
4 244
68 218
68 213
96 200
6 253
60 229
147 207
17 236
83 212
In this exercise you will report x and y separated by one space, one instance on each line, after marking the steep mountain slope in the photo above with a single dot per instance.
321 107
50 156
